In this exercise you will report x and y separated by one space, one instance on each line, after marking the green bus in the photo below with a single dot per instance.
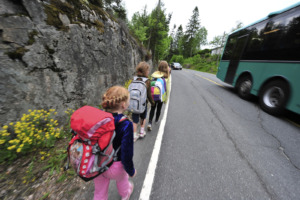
263 59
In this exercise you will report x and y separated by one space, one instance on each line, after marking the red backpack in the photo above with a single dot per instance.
90 151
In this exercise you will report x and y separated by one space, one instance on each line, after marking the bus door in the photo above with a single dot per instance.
235 58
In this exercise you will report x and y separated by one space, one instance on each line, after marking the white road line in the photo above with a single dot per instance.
147 185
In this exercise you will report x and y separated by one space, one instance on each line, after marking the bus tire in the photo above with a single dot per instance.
244 86
274 96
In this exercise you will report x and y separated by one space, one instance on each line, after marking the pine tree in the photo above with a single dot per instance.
178 43
191 36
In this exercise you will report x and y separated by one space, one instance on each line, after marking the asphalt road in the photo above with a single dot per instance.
218 146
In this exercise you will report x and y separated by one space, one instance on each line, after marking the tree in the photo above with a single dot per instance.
159 41
219 41
178 40
172 47
119 10
194 35
139 25
194 24
172 35
238 26
200 39
116 8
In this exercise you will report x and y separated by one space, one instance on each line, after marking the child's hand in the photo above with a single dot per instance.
134 174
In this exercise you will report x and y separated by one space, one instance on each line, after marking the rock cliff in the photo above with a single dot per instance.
60 54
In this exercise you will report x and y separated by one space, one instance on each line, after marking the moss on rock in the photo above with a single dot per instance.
17 54
72 8
31 37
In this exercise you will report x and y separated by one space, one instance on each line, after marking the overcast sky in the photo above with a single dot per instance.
216 16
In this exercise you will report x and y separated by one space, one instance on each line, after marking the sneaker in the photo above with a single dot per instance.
156 122
135 137
143 134
131 190
149 127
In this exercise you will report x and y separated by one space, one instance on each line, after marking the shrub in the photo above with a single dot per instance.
177 58
204 63
36 130
127 83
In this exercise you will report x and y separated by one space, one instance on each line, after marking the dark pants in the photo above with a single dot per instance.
136 117
158 106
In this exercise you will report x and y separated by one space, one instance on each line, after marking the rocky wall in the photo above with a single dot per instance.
59 54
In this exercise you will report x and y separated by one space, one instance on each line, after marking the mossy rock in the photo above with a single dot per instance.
72 10
17 54
31 37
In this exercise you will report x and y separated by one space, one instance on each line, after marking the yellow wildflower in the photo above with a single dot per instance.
11 147
11 141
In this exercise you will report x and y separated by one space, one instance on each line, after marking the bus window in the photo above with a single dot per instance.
229 48
255 45
272 38
292 38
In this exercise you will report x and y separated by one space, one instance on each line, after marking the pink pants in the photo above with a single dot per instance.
115 172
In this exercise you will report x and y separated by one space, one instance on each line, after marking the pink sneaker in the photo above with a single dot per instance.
130 192
143 134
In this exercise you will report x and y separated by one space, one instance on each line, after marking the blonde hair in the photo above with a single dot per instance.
113 97
142 68
164 67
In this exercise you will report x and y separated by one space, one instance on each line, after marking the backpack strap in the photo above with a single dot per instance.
144 79
123 118
74 137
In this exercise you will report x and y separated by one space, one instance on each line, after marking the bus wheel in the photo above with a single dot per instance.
244 86
274 96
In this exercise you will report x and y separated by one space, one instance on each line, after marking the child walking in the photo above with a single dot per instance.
142 71
116 101
163 72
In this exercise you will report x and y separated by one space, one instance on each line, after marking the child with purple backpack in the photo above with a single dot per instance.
163 73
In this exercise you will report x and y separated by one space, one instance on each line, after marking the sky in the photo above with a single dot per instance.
217 16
